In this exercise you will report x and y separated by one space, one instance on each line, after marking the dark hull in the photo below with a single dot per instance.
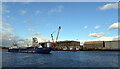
31 50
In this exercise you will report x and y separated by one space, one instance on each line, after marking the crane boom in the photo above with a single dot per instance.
58 34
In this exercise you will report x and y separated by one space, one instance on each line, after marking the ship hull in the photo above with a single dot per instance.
31 50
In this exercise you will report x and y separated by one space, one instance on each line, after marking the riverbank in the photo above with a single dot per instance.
90 50
4 47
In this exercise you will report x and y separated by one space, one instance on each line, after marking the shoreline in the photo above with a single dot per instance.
84 50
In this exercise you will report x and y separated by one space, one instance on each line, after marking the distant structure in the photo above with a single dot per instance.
112 44
93 44
64 44
35 42
102 45
67 44
46 44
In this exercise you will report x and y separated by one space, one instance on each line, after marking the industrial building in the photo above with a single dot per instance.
93 44
87 45
64 44
112 44
102 45
68 44
46 44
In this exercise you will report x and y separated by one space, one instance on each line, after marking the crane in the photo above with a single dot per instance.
58 34
54 44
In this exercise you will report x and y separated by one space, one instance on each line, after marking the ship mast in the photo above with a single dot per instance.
35 42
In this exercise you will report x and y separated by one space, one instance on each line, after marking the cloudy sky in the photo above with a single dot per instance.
79 21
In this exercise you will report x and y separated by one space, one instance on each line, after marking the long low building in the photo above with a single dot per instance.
102 45
64 44
93 44
112 44
67 44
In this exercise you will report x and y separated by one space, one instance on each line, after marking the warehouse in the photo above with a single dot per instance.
102 45
112 44
94 44
67 44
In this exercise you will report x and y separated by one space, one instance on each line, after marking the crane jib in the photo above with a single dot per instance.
54 44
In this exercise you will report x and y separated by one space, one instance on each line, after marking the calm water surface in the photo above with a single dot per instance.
61 59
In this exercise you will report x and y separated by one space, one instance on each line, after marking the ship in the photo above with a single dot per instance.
33 49
35 46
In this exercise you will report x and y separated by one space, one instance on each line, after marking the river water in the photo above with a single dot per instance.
61 59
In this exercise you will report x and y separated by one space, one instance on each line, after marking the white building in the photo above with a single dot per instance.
112 44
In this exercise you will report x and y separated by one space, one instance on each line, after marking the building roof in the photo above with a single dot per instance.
93 42
68 41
